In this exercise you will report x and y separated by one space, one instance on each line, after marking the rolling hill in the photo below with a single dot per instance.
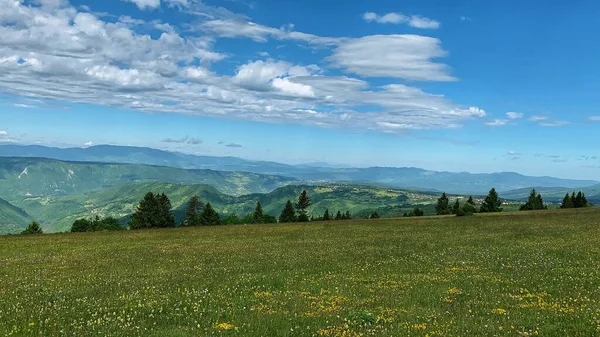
401 177
554 194
57 213
21 177
12 219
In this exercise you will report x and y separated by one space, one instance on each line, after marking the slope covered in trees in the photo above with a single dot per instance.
12 219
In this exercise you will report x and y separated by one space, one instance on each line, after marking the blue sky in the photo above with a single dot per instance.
475 86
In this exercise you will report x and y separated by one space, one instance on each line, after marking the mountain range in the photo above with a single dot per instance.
402 177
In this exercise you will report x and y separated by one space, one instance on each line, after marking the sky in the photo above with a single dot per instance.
461 85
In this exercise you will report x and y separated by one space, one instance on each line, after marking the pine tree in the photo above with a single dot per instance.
578 200
257 216
534 203
491 203
567 202
573 199
374 215
456 207
443 205
302 206
144 215
338 216
584 202
347 216
33 228
326 216
192 212
165 217
288 214
209 217
471 201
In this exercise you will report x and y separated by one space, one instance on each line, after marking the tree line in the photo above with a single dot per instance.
155 211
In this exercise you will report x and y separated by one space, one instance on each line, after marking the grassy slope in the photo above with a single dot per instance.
12 219
499 275
58 213
46 177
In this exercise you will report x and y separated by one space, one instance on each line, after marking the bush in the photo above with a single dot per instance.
33 228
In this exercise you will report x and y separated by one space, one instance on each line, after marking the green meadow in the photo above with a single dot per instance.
507 274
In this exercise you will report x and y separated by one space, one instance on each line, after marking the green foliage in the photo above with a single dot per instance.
152 212
232 219
575 201
374 215
534 203
466 210
326 216
415 212
288 214
567 202
209 217
443 205
491 204
267 218
12 218
303 203
338 215
96 225
33 228
192 212
257 216
456 207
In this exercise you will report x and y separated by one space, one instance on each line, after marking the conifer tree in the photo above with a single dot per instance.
165 217
567 202
209 217
288 214
471 201
257 216
326 216
192 212
578 200
347 215
534 202
338 216
302 206
374 215
145 213
491 203
584 201
456 207
33 228
443 205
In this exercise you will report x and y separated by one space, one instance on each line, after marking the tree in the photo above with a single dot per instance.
491 203
443 207
192 212
415 212
209 217
110 224
374 215
471 201
579 200
534 203
257 216
267 218
232 219
302 206
567 202
466 210
338 216
153 211
81 225
326 216
288 214
456 207
33 228
584 201
347 216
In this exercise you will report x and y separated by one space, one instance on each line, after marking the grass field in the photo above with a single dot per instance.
522 274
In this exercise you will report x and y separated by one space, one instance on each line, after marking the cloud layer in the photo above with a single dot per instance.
50 49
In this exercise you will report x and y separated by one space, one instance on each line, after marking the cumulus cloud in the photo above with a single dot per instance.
514 115
497 122
3 133
145 4
88 143
402 56
415 21
58 53
184 140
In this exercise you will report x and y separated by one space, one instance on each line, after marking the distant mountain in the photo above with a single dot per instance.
38 177
12 219
57 213
405 177
554 194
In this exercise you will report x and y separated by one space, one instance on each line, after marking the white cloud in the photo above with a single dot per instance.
3 133
497 122
89 143
514 115
146 4
54 52
401 56
538 118
554 124
415 21
594 119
